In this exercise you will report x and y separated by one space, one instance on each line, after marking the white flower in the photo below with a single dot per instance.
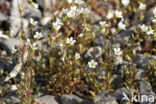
57 24
85 27
71 41
35 5
154 20
142 6
73 10
103 23
13 87
80 35
79 2
117 51
69 1
62 58
103 30
38 35
34 46
58 21
125 2
83 11
118 14
77 56
113 30
110 15
59 45
121 25
13 50
92 64
149 32
33 22
154 12
28 42
143 27
65 10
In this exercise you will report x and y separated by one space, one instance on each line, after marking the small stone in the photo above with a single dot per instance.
71 99
47 99
90 52
104 98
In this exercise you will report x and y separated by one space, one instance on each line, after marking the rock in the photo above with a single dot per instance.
3 17
104 98
8 43
12 99
118 94
93 17
46 4
142 61
70 99
124 36
118 81
148 17
101 75
90 53
6 66
47 99
146 89
45 20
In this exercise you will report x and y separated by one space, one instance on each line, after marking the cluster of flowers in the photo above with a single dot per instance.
76 10
146 29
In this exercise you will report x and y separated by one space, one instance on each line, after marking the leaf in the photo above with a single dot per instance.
128 57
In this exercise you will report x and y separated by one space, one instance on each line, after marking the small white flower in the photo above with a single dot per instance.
103 23
113 30
72 12
143 27
38 35
58 21
92 64
77 56
142 6
33 22
71 41
103 30
110 15
13 87
79 2
69 1
125 2
117 51
13 50
28 42
85 27
65 11
150 32
121 25
59 45
118 14
83 11
154 20
80 35
154 12
34 46
57 24
62 58
35 5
